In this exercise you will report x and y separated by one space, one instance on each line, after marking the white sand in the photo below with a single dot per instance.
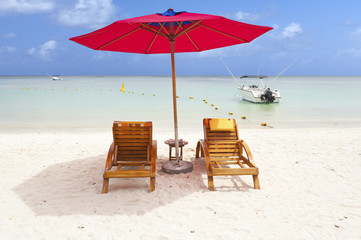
310 189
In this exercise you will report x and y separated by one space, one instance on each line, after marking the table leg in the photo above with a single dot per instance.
170 153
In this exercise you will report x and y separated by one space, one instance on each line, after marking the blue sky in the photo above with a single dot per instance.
325 36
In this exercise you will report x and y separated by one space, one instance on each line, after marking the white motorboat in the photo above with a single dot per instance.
253 93
55 77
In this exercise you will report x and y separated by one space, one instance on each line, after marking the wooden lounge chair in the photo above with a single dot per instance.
132 154
224 153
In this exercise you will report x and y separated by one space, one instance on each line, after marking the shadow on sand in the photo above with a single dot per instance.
75 188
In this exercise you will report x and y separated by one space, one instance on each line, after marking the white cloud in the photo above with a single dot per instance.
101 55
356 33
89 13
292 30
7 49
32 51
352 52
244 16
350 23
45 50
11 49
26 6
9 35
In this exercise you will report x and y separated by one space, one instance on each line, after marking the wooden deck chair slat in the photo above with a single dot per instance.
132 148
133 144
134 163
223 138
223 154
129 129
221 141
222 134
223 150
213 147
138 136
138 152
129 174
223 158
131 140
131 158
228 172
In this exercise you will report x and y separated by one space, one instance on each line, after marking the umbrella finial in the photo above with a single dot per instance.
170 12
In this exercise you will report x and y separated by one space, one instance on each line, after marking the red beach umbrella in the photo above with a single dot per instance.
171 32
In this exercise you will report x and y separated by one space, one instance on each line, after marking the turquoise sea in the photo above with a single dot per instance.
38 102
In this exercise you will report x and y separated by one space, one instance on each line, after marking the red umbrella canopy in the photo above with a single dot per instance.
150 34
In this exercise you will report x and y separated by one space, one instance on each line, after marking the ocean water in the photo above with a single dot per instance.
77 102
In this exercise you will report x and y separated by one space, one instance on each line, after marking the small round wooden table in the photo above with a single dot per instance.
171 144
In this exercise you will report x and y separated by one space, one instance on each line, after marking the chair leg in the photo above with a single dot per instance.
105 185
152 184
210 183
256 182
198 149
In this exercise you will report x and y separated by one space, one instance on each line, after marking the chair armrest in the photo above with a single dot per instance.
202 146
198 148
153 157
244 145
108 163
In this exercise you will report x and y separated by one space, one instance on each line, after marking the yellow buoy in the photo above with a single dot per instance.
243 117
122 90
230 113
190 97
216 108
142 93
263 124
101 89
177 96
205 102
154 95
212 105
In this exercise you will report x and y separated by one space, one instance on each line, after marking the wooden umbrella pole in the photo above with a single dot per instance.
171 41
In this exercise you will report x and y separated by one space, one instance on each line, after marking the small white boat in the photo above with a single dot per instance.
55 77
253 93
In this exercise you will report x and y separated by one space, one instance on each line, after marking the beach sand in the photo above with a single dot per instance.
310 189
